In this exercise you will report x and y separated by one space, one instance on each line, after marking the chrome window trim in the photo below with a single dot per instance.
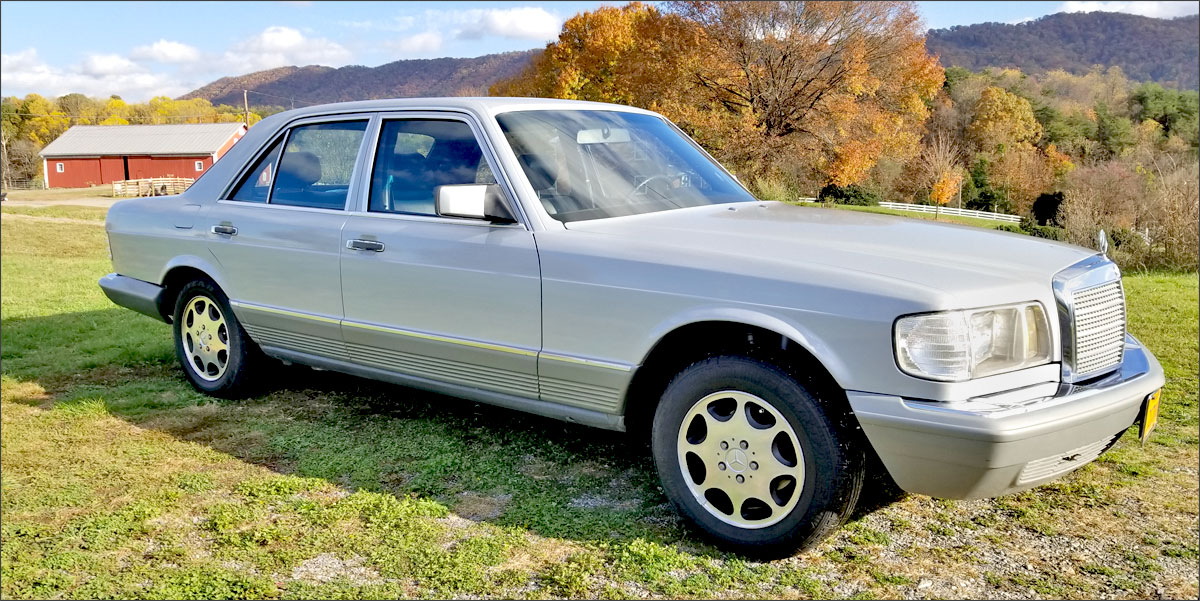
244 170
489 153
1093 271
435 219
278 207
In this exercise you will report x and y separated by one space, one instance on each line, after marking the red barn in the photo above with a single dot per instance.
88 155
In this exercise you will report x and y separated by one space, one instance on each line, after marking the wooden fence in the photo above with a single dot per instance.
155 186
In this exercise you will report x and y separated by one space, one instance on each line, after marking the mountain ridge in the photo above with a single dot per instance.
315 84
1147 49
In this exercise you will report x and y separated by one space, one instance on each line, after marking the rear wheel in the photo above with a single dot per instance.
753 458
211 345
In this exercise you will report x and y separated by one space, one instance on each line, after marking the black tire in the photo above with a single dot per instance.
834 461
243 355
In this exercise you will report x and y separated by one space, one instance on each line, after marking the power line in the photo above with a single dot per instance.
291 98
78 116
197 116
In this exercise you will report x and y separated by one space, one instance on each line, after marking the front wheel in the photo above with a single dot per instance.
214 350
753 458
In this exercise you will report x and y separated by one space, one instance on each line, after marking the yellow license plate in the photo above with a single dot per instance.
1149 415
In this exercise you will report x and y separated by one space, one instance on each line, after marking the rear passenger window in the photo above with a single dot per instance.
255 185
316 165
417 155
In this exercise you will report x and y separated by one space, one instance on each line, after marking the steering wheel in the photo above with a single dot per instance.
641 188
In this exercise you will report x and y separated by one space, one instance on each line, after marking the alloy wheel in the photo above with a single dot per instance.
741 459
205 338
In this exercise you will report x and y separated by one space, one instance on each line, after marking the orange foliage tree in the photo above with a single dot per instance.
834 85
633 54
842 82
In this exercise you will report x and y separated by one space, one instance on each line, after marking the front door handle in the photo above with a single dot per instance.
371 245
224 230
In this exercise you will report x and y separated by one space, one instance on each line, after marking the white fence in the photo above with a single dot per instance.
899 206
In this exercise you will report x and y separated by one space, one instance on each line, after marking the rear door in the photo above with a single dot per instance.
439 299
277 236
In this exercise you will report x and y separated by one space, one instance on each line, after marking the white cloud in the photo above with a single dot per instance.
421 43
1158 10
167 52
398 23
524 22
1019 21
98 75
280 46
104 65
21 61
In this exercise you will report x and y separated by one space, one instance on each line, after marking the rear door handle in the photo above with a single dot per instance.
224 230
371 245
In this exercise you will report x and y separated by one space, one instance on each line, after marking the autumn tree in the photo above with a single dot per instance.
44 122
633 54
1002 119
842 82
941 168
835 86
115 111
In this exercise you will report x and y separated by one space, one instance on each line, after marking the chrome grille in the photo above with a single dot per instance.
1099 316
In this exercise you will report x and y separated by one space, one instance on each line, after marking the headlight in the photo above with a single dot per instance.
953 346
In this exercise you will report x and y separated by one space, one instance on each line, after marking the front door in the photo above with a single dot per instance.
277 238
434 298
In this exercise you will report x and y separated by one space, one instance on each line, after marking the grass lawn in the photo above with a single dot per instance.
118 480
61 193
58 211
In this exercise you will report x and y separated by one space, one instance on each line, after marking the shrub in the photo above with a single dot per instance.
1011 227
990 199
770 188
1049 232
1149 215
1030 226
848 195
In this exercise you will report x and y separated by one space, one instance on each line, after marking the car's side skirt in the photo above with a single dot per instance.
565 413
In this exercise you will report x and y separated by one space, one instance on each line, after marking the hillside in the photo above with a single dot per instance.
1162 50
403 78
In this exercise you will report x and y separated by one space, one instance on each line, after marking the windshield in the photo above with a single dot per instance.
595 164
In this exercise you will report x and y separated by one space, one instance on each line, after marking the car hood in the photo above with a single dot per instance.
964 261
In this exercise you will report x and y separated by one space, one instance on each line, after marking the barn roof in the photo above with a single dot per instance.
185 139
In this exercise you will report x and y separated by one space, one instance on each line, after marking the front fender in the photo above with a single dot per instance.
791 329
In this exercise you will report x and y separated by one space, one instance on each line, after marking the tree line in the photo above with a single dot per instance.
28 124
842 100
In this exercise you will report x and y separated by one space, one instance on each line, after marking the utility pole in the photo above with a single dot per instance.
246 104
5 180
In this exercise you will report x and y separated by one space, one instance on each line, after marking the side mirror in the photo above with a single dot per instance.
473 201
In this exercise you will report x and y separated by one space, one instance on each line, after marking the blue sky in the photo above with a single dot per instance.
144 49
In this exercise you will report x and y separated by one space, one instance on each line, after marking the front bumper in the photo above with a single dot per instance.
143 297
997 445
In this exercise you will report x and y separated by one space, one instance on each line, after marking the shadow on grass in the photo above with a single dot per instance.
485 463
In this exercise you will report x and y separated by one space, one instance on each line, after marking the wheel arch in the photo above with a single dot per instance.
683 342
177 273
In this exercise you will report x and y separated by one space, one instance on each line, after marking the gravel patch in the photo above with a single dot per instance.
327 567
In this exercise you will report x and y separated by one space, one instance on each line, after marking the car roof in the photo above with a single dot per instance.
479 105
